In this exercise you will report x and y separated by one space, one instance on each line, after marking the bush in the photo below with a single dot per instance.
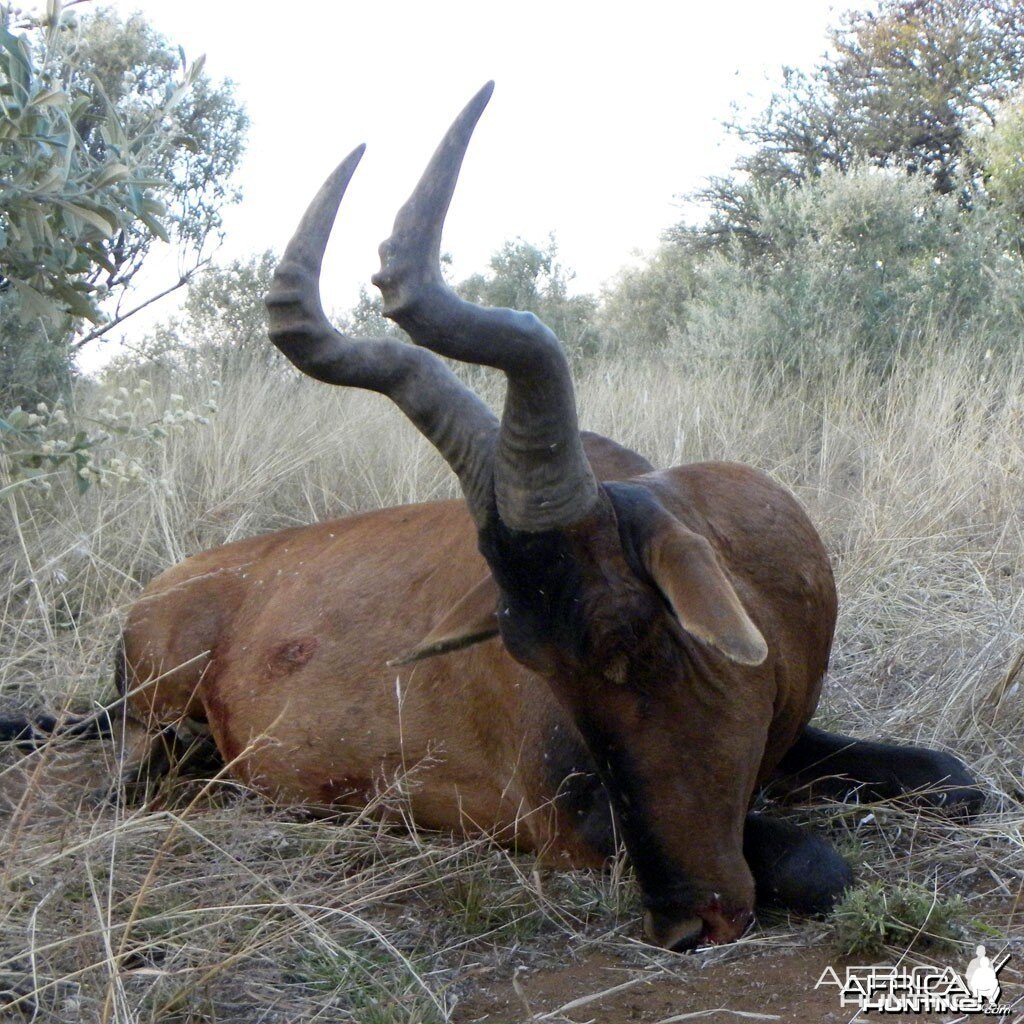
864 265
646 306
36 361
870 917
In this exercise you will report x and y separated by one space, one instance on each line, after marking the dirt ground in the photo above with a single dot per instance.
750 981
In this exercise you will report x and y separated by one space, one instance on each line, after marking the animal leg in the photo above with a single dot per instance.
170 751
822 764
29 732
793 868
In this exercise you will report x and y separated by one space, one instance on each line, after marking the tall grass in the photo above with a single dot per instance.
225 909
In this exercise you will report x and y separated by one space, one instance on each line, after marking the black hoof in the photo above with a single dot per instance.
793 869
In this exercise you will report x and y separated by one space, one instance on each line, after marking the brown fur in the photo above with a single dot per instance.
286 641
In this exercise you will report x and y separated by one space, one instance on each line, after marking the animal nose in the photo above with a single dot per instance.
722 926
711 926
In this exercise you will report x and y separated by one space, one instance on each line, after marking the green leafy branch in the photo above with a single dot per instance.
37 445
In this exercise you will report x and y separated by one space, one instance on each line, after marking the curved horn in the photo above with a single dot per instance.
444 410
542 479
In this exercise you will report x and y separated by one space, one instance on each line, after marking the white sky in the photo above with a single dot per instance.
598 121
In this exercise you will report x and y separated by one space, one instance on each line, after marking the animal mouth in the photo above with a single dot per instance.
711 926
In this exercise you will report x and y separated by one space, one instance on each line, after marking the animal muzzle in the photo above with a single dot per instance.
711 925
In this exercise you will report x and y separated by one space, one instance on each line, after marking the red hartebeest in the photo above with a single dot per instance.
583 647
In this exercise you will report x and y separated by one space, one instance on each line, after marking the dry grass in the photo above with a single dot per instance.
220 908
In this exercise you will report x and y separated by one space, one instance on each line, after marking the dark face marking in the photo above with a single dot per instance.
578 606
665 888
541 604
636 511
580 795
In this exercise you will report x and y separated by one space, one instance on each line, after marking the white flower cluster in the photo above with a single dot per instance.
38 444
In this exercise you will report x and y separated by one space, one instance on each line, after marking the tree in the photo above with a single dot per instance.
367 319
128 66
34 359
880 206
906 88
225 311
97 161
107 142
1000 155
224 322
646 306
61 203
528 277
865 265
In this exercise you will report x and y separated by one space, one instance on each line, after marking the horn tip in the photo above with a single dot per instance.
337 183
481 99
350 162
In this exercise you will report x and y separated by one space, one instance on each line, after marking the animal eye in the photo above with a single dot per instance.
617 670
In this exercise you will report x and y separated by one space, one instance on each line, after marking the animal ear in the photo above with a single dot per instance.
471 620
687 571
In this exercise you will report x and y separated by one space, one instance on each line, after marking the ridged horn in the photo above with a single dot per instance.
444 410
542 479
